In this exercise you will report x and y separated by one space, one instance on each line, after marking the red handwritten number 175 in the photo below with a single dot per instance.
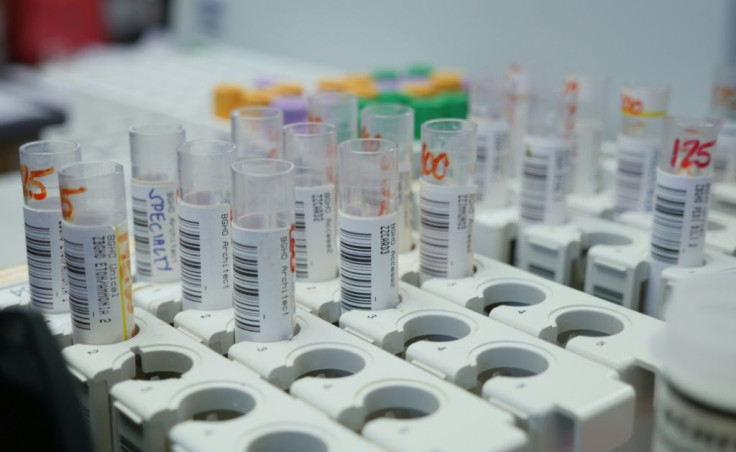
696 153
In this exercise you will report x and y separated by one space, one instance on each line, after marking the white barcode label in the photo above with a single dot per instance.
155 231
635 174
205 256
46 265
316 253
586 157
546 168
679 219
446 216
100 283
368 262
492 164
404 219
263 290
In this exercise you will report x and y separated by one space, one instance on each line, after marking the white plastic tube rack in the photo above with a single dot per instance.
603 258
465 348
599 204
320 298
215 329
720 236
135 391
495 233
604 332
391 402
724 197
161 300
671 276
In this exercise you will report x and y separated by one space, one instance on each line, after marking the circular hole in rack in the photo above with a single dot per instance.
216 404
399 402
434 328
160 364
509 362
588 323
714 226
511 294
328 363
287 441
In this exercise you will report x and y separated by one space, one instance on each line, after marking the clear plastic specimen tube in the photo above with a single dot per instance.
642 114
40 162
591 92
205 189
338 108
96 247
681 199
153 193
256 131
312 148
488 105
264 260
521 83
447 198
395 122
723 107
368 175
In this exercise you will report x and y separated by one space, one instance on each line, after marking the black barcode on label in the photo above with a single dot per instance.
629 179
191 260
669 213
246 296
480 165
142 241
38 248
300 236
435 237
355 269
535 171
78 291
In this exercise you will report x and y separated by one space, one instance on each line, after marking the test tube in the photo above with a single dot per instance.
338 108
40 162
447 198
205 193
488 105
96 248
684 177
153 192
642 114
694 393
368 174
264 260
723 107
546 162
591 92
312 148
256 131
520 85
395 122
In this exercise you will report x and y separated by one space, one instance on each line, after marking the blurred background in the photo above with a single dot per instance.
87 69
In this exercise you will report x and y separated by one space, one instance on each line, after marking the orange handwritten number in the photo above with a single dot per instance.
431 163
30 182
67 208
292 248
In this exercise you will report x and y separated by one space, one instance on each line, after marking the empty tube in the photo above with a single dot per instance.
723 107
395 122
96 246
205 190
488 105
264 260
368 175
256 131
642 114
681 197
546 163
590 111
338 108
447 198
312 148
40 162
153 192
520 85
